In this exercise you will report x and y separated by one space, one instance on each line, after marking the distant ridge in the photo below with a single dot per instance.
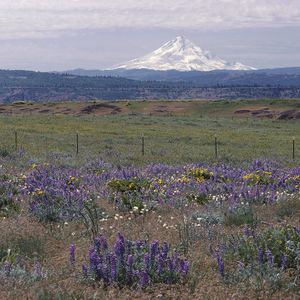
42 86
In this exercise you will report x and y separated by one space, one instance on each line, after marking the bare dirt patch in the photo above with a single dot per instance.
102 107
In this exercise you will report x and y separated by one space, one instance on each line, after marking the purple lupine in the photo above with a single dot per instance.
153 250
165 250
37 270
283 263
72 254
246 231
221 265
184 267
104 243
130 261
113 267
7 268
260 256
270 257
84 271
147 261
144 279
119 266
93 258
160 265
119 247
97 243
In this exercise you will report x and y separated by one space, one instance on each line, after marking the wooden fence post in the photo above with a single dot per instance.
293 148
16 140
143 144
77 143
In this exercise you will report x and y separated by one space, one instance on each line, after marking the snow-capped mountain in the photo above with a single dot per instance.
182 55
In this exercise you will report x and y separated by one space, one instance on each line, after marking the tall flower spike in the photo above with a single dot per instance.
72 254
144 279
221 266
260 256
270 257
283 262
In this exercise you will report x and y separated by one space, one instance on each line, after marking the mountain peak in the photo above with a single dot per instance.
183 55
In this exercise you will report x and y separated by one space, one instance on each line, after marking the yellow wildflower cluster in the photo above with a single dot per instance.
72 180
201 174
183 179
39 192
259 177
34 165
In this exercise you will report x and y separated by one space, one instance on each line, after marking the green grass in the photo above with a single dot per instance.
168 139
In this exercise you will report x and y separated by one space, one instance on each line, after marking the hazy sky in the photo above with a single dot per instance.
94 34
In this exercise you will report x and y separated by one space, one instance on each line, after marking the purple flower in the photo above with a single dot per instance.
93 258
147 261
283 263
270 257
101 243
37 270
113 267
165 250
184 267
7 268
144 279
246 231
221 266
129 264
72 254
119 247
153 250
160 265
260 256
84 271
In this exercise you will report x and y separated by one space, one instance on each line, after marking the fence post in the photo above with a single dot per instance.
293 148
16 140
216 147
77 143
143 144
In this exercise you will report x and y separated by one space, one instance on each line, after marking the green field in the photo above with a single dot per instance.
174 137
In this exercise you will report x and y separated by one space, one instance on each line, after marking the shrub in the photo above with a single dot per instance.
18 272
23 246
240 215
8 191
127 192
55 194
259 177
288 208
271 251
4 152
200 174
200 198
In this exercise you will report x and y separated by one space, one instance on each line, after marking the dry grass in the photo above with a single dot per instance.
63 282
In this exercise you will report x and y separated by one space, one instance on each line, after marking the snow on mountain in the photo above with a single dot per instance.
182 55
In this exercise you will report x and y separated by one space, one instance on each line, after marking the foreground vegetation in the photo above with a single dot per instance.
111 223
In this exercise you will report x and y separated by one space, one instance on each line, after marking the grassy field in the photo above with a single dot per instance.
181 132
